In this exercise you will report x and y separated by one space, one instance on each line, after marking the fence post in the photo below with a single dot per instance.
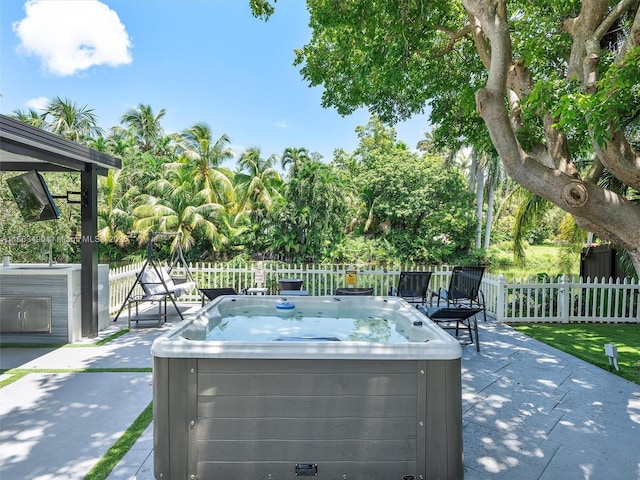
564 299
501 298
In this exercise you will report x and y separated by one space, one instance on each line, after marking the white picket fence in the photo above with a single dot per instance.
524 300
566 300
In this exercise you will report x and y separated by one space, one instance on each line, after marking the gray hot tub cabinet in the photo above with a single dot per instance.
340 388
222 418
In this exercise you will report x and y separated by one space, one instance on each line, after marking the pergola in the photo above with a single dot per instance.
24 148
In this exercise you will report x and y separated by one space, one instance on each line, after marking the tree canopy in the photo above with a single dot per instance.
421 206
551 87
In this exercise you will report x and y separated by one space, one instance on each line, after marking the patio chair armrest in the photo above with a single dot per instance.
481 297
441 294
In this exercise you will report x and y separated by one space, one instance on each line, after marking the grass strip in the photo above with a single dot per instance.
13 378
99 343
586 341
17 373
107 463
24 371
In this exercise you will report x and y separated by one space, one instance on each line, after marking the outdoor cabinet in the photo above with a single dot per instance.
25 315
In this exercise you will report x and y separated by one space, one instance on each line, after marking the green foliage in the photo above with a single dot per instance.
312 219
421 208
583 115
538 258
358 249
397 206
261 8
377 60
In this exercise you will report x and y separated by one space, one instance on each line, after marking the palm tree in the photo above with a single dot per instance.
232 226
144 125
177 205
71 121
120 141
114 221
314 215
30 117
203 156
476 181
428 145
296 157
495 176
259 181
531 209
258 190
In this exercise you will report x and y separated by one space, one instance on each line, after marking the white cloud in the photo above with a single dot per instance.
70 36
281 124
38 103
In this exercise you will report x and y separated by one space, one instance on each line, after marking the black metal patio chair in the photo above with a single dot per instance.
464 289
455 318
413 287
211 293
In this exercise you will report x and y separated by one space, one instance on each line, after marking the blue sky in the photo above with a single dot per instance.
201 60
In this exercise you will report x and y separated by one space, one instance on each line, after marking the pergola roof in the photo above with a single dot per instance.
24 147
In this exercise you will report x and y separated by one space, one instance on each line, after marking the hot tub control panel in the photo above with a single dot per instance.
306 469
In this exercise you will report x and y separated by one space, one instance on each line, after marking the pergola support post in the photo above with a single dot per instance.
89 251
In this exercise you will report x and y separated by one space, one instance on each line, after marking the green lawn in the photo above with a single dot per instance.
544 258
586 341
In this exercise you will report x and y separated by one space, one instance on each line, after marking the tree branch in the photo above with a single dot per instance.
558 148
581 30
482 46
454 37
633 40
612 16
595 208
617 154
620 158
592 43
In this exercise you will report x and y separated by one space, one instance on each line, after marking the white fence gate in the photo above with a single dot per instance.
524 300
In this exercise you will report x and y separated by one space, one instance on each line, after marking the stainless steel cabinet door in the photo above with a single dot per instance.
25 315
10 315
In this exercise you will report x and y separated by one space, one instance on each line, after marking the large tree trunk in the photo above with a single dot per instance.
553 175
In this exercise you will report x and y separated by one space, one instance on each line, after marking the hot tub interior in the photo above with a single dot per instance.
351 319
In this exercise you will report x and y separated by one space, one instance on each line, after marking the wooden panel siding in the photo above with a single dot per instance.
327 412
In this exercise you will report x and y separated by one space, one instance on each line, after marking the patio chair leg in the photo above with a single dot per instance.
475 328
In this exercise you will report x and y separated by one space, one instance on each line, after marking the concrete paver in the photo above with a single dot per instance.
534 412
529 411
60 425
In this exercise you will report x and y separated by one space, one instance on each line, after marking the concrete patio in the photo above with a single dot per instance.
530 411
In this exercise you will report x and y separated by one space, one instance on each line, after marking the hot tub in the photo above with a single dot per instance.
331 387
